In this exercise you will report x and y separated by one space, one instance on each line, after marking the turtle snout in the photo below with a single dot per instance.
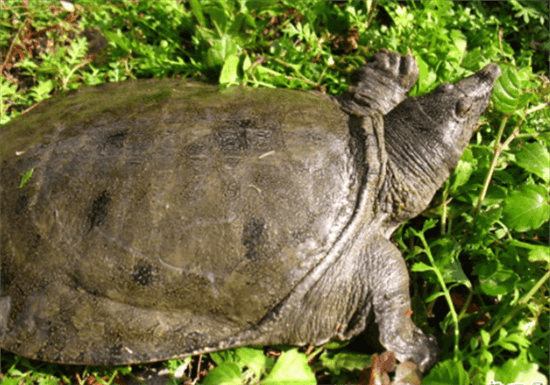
492 71
479 85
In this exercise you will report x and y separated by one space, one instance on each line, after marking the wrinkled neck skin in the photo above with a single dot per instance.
419 160
416 164
415 170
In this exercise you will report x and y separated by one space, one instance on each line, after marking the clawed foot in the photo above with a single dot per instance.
385 82
414 346
401 69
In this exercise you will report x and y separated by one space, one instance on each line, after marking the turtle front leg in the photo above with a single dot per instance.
384 83
389 285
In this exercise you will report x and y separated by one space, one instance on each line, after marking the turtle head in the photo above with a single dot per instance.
437 127
451 112
425 137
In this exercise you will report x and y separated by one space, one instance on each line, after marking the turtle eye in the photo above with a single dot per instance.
462 107
445 87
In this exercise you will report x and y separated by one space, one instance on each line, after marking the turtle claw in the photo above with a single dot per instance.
385 82
400 69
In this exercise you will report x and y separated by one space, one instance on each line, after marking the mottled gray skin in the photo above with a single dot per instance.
166 217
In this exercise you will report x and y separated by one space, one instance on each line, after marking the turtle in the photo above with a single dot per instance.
168 217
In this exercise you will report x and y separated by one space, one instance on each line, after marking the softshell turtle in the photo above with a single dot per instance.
167 217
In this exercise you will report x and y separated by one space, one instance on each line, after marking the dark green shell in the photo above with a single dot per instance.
161 206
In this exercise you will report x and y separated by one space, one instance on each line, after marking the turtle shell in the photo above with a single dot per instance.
165 216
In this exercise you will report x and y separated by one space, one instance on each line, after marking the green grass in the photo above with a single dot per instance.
479 255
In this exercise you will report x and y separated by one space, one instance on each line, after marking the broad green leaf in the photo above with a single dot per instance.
508 346
421 266
517 370
12 381
452 272
291 369
445 373
241 22
225 374
507 90
518 339
540 254
496 279
254 359
495 195
487 357
229 70
534 158
426 76
221 50
526 208
485 336
346 360
197 12
484 223
459 40
463 170
335 344
434 296
218 17
225 356
247 63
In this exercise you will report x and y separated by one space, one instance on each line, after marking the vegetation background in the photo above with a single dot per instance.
479 256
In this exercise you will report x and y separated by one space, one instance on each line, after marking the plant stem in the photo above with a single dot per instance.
446 292
521 304
496 154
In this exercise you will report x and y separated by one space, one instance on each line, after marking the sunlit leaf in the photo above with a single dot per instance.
526 208
291 368
534 158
